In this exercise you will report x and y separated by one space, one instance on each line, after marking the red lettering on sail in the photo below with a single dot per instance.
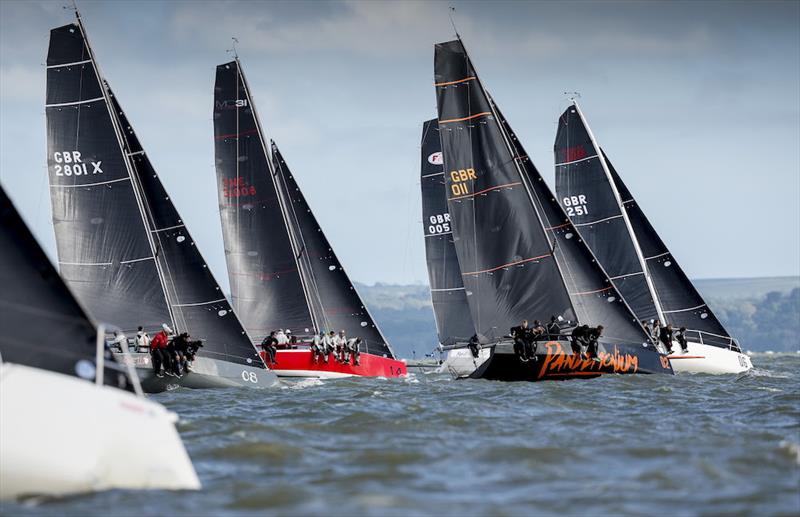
574 153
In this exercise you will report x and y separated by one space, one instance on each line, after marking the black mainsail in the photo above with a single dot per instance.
265 280
283 271
644 270
449 298
121 243
43 324
520 256
106 260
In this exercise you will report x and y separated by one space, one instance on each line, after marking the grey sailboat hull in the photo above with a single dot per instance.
206 373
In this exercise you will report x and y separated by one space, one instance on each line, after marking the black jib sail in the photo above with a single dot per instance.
121 244
520 255
265 281
283 271
647 275
334 299
450 307
196 300
43 325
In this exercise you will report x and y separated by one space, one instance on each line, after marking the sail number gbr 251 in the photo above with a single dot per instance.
69 163
575 205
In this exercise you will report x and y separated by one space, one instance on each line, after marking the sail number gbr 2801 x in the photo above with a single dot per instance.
70 163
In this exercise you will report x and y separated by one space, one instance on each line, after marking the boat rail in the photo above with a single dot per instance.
716 340
100 359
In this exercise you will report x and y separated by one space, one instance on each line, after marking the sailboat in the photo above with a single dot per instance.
283 271
122 246
71 418
626 244
454 323
520 256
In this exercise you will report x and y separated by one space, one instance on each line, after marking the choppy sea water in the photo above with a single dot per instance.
683 445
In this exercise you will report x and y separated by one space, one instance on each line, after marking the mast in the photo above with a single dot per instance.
128 165
284 213
628 226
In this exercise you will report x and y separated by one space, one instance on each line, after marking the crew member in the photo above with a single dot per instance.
180 345
142 341
522 336
593 337
579 338
119 339
353 346
333 345
680 337
317 346
269 346
158 351
553 328
474 346
343 351
280 336
665 335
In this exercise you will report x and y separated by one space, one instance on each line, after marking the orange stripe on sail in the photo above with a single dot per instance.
506 265
557 227
470 78
485 190
465 118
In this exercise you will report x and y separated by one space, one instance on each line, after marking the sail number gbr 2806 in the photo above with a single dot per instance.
70 163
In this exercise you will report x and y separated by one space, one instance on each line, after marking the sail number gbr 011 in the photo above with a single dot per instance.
69 163
459 178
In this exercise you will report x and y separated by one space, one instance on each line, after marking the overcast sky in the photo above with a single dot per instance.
697 105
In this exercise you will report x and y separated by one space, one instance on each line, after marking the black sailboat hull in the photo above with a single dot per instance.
556 361
206 373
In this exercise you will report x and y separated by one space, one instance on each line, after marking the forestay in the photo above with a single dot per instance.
450 307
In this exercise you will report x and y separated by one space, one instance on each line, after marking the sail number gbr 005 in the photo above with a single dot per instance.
438 224
69 163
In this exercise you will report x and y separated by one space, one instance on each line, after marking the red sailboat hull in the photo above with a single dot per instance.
300 363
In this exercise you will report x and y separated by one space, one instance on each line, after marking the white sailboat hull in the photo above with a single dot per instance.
460 362
708 359
61 435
